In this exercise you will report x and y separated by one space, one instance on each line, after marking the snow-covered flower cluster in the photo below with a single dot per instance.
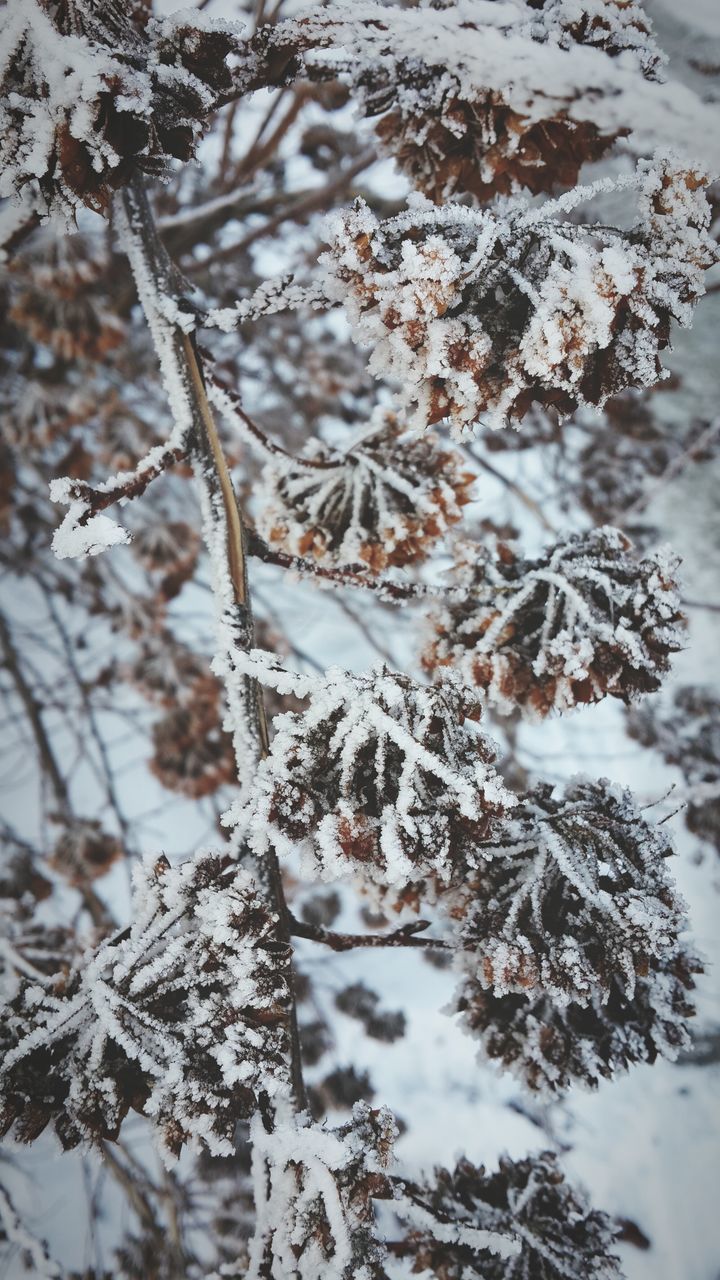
381 778
384 501
586 619
574 894
182 1016
576 967
94 90
454 121
559 1236
314 1192
550 1047
687 734
481 313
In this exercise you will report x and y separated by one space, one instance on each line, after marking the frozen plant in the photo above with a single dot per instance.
588 619
155 356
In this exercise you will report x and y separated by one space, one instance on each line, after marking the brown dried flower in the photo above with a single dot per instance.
384 501
480 313
586 619
183 1017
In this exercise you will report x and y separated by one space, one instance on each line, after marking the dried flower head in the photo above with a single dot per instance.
380 777
93 90
587 619
316 1188
169 549
687 734
557 1236
454 125
57 309
192 752
384 501
183 1017
480 313
574 897
84 851
551 1047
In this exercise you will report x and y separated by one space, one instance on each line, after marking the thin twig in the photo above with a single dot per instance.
404 937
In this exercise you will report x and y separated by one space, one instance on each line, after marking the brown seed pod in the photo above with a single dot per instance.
192 753
84 852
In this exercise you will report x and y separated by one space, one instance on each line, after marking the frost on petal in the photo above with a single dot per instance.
478 314
382 778
385 501
574 899
314 1190
182 1017
557 1236
587 619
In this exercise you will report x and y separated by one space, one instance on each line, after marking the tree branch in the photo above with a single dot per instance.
403 937
159 288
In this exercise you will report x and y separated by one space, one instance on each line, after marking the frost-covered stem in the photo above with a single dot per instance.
350 575
228 402
159 289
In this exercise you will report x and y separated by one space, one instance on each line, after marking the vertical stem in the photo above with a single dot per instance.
159 286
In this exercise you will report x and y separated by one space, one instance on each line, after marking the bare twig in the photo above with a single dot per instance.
404 937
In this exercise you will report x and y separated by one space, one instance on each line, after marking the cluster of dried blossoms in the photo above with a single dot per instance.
563 921
587 619
183 1016
478 314
380 778
552 1047
573 965
452 131
316 1216
385 501
93 92
524 1198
